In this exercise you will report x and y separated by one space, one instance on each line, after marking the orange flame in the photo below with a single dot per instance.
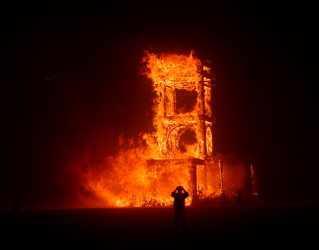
145 173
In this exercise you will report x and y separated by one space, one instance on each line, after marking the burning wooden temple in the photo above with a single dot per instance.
180 150
184 124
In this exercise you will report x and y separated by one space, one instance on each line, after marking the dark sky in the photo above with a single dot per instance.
70 81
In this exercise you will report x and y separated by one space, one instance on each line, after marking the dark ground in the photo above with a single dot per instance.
269 225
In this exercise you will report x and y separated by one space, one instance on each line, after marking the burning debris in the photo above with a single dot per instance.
179 152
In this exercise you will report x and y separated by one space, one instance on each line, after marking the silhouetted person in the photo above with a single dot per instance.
239 200
179 195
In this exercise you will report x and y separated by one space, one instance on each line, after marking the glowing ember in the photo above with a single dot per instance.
179 153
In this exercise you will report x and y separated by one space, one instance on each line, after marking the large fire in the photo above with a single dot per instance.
179 152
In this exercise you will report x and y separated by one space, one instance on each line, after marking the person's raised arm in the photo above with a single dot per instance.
186 193
173 193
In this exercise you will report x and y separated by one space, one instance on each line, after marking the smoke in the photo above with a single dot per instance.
236 175
88 182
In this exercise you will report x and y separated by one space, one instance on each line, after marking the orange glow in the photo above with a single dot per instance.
144 173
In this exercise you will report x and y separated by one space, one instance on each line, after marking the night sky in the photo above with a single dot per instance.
70 82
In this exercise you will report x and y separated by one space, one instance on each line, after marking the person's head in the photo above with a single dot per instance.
179 188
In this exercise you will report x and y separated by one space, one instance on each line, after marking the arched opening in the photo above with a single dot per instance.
188 138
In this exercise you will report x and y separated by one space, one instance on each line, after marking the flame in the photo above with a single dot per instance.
144 173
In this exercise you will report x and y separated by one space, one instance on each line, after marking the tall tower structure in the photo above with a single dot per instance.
187 115
183 112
